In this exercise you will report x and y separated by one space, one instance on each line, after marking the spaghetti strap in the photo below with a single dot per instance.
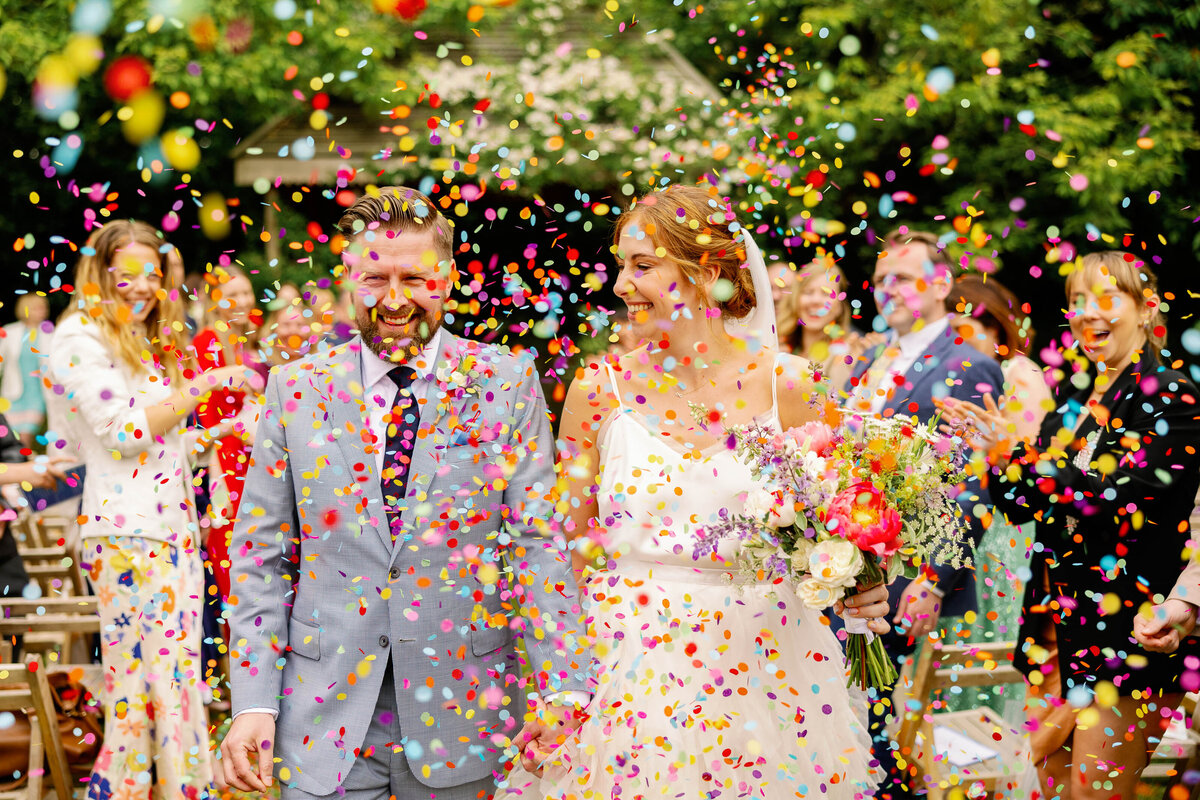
612 378
775 384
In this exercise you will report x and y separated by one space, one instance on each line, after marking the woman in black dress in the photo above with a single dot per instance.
1111 480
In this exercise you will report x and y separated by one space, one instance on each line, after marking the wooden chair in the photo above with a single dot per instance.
41 632
1178 754
937 669
24 687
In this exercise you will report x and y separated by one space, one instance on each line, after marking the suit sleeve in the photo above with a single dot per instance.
264 568
1187 588
975 382
539 559
1151 460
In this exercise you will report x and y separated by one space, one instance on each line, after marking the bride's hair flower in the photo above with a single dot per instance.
861 514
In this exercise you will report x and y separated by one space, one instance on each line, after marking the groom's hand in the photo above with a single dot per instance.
540 737
246 752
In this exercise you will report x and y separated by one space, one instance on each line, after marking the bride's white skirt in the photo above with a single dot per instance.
708 690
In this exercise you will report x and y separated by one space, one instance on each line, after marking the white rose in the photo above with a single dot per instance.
817 595
783 514
836 562
759 503
804 548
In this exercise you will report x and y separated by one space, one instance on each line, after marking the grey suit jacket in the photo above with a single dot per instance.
322 598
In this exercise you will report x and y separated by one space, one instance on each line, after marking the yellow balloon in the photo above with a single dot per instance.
214 216
84 52
146 111
181 150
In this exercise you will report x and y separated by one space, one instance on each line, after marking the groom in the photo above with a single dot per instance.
394 515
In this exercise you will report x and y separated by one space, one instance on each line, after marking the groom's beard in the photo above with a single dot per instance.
401 343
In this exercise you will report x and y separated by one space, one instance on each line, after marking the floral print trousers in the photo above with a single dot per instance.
156 726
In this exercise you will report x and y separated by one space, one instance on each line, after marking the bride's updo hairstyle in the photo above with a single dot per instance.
691 225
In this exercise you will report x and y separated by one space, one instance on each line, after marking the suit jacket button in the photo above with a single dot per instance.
383 641
394 573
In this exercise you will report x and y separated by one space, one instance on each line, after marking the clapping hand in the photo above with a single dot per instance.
990 429
236 377
919 611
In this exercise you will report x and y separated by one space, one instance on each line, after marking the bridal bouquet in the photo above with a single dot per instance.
859 503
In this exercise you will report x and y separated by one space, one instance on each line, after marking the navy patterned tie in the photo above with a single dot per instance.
398 450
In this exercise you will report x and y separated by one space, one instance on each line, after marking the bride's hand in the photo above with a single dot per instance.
541 736
870 604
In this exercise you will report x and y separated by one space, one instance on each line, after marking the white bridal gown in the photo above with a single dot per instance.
705 689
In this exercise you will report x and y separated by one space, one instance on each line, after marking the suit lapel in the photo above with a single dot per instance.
349 414
441 415
932 366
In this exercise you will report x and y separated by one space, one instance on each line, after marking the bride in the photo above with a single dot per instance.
703 688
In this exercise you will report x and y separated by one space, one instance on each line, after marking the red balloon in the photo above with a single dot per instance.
126 76
815 179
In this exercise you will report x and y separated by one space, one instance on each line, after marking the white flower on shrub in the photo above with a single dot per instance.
835 562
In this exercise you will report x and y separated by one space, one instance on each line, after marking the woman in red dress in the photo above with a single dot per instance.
229 414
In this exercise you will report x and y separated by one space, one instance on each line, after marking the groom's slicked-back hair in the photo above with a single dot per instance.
398 208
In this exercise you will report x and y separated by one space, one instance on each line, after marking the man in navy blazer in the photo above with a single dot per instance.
923 359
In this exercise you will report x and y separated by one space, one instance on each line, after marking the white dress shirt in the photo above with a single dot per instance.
380 391
912 346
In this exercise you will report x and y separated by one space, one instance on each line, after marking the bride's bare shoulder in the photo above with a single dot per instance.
792 371
796 389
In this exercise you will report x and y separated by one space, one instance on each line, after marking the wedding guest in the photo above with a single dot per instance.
783 296
987 316
232 340
289 335
990 318
195 302
117 374
1112 479
824 333
16 467
921 362
22 358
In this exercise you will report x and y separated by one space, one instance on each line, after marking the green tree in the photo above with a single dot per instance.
1005 125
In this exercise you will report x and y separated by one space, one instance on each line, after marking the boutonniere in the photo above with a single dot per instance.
460 375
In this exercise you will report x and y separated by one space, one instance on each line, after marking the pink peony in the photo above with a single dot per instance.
814 436
864 517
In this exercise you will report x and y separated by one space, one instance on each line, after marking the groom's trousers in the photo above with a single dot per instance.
385 773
